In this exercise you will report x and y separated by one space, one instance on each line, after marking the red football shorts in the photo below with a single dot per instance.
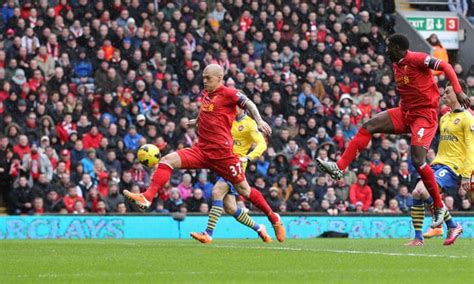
422 124
227 165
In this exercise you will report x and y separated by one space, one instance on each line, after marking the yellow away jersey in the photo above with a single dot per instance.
245 133
456 147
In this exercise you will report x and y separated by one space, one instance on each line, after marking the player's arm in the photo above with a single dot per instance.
468 165
440 65
260 144
252 110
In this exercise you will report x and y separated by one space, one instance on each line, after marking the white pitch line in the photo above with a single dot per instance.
344 251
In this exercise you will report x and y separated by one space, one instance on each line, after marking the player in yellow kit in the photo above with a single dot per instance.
453 165
245 134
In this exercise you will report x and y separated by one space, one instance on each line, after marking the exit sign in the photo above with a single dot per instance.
446 27
434 23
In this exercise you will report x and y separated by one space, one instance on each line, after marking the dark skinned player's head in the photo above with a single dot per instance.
397 46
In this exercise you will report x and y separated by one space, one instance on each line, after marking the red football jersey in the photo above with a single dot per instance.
217 113
415 82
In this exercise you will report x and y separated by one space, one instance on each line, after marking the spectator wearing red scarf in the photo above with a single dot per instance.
245 21
103 186
139 175
66 158
365 106
93 198
62 7
301 160
376 165
36 163
65 128
22 147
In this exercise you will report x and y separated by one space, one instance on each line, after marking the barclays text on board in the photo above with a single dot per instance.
164 227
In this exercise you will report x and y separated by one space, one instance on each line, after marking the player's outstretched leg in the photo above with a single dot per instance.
418 155
230 207
257 199
454 229
214 215
381 123
160 177
417 217
359 143
432 232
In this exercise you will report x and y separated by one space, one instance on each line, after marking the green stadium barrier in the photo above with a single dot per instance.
165 226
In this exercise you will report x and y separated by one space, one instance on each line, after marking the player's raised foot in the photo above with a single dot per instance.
262 233
434 232
138 199
202 237
329 167
415 243
453 234
438 216
279 230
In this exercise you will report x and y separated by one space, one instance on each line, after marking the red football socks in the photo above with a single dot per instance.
257 199
158 180
428 177
359 143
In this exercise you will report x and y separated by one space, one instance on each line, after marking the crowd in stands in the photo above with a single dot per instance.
84 83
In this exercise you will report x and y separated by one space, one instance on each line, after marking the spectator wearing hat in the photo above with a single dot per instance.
274 199
141 125
18 79
361 192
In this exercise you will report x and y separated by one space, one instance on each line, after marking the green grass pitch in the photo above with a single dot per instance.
235 261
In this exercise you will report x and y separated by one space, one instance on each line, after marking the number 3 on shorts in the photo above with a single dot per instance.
236 170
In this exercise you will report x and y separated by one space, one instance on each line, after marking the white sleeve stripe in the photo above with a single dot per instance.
438 62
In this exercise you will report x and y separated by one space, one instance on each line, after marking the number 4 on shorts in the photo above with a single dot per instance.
421 132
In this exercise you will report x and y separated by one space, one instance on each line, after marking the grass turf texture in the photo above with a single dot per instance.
186 261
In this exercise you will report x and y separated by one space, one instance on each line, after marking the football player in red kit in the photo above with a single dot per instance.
417 114
214 149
